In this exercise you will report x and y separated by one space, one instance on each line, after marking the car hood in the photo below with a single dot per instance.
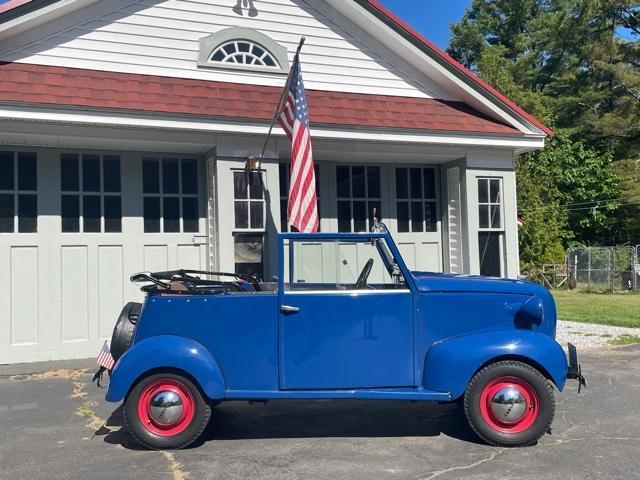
443 282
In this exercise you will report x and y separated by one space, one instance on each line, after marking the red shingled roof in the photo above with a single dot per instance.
11 4
39 84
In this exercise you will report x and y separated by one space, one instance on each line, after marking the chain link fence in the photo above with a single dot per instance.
610 269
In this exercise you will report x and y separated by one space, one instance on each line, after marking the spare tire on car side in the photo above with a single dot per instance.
125 329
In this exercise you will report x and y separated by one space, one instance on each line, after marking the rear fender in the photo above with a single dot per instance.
450 364
166 351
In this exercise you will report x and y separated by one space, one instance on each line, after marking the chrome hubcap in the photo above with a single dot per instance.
166 407
508 404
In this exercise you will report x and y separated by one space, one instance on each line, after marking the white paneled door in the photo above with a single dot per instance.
99 217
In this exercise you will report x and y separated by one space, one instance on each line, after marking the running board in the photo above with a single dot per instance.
373 394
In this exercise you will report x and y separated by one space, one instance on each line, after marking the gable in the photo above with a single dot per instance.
161 37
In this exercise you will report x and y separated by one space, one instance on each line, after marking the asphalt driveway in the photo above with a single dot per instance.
52 427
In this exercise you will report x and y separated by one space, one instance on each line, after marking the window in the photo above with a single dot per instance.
491 230
248 249
358 191
243 49
249 203
18 192
244 52
284 195
416 200
91 200
331 264
170 195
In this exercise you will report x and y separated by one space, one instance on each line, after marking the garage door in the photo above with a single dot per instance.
74 225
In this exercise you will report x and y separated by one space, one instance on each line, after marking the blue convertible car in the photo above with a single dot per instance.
345 319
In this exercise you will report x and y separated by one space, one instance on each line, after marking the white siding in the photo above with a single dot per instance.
161 38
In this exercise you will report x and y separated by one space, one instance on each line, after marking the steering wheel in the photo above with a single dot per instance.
364 275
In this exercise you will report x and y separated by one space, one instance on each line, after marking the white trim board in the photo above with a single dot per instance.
182 123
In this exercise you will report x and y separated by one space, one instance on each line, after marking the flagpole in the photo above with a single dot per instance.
285 92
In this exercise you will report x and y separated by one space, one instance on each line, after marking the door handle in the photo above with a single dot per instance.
289 309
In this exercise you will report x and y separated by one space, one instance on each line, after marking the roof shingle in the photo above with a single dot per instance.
39 84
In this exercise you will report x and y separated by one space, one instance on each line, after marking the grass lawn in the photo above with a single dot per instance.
622 310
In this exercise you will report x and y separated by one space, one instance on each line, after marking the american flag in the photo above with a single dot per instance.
104 357
302 211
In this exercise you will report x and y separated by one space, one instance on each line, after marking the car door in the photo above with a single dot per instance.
334 334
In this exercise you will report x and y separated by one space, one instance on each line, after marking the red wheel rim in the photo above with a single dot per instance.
166 429
524 389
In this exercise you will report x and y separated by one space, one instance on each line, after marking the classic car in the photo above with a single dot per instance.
345 319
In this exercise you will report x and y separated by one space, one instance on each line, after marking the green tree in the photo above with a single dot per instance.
566 63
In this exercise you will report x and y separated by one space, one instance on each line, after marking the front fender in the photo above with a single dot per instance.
450 364
166 351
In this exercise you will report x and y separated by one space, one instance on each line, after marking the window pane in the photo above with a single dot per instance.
316 170
430 217
283 215
257 215
374 206
401 183
112 214
483 190
239 185
70 207
495 191
69 172
150 175
169 176
496 217
6 171
417 217
91 213
256 191
243 47
218 56
111 172
151 214
27 171
358 182
416 183
242 214
171 214
190 214
373 182
489 244
343 182
429 183
189 176
483 212
359 216
91 173
27 213
403 217
284 184
344 216
7 212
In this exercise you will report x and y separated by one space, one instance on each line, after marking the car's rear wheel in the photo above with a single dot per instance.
166 410
509 404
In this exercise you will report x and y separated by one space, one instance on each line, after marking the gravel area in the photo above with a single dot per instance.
590 335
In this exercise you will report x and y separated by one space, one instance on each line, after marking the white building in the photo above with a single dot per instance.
124 128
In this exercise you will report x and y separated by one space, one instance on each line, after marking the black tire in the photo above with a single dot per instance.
124 330
482 424
145 435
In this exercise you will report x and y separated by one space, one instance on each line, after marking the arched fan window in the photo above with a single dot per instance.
244 52
243 49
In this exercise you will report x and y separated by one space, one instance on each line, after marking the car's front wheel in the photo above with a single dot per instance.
509 404
166 410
